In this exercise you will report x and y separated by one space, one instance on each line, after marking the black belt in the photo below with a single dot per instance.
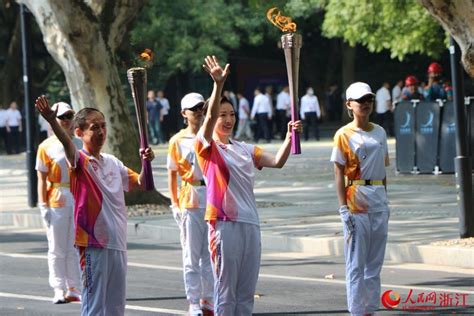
196 183
364 182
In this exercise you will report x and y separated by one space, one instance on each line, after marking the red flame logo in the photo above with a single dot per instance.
390 301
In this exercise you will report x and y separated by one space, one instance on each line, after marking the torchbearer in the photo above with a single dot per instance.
291 44
228 168
97 182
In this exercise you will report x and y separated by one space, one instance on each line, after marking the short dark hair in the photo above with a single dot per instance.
80 119
224 99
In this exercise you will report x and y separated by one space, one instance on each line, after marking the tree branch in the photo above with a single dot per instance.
456 17
123 13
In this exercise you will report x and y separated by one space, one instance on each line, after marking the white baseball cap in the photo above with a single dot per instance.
62 107
357 90
190 100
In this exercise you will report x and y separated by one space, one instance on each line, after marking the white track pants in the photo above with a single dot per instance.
364 255
63 259
235 251
197 270
104 273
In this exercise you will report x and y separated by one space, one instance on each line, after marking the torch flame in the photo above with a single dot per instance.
146 55
284 23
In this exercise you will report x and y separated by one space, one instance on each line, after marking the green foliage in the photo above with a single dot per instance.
401 26
182 32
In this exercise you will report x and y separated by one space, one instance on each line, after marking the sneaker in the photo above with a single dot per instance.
59 297
207 308
195 310
73 295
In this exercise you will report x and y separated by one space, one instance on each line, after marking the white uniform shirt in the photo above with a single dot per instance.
244 109
182 158
381 98
44 125
396 94
3 117
100 213
364 155
283 101
51 159
309 103
261 104
165 106
13 118
229 172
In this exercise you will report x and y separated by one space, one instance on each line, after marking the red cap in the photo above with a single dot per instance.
411 81
435 68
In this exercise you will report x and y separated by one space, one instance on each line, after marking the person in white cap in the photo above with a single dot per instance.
360 155
188 207
56 204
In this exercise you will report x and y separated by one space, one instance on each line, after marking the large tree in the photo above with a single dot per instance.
457 18
83 37
183 32
9 53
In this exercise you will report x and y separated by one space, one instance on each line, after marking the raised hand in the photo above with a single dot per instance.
42 105
213 68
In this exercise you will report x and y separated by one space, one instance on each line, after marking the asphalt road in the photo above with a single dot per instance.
289 283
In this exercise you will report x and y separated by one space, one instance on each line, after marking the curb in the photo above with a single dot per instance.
332 246
459 257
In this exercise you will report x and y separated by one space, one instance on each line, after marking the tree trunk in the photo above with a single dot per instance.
10 79
457 18
82 37
348 70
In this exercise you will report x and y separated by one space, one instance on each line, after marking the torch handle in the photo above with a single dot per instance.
295 136
146 166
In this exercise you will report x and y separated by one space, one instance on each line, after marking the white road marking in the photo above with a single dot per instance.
270 276
153 266
130 307
384 285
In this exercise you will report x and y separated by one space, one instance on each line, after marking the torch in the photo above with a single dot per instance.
137 79
291 44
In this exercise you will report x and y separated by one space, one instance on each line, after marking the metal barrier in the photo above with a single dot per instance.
447 141
427 124
469 101
404 122
425 135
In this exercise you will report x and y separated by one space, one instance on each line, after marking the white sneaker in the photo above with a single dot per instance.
195 310
59 297
73 295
